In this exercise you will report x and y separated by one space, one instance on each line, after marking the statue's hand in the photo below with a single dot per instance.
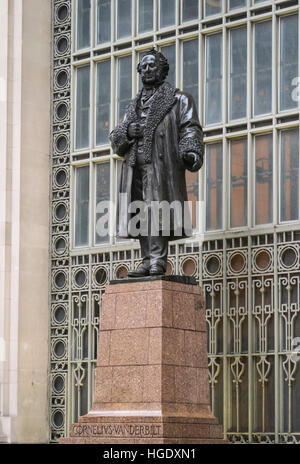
135 130
194 161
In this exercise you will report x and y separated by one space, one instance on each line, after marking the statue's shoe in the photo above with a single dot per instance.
156 269
141 272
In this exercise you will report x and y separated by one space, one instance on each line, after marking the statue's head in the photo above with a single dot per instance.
153 68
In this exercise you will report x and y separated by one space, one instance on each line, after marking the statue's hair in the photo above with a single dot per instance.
160 59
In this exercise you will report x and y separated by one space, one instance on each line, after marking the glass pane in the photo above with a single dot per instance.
83 23
124 86
236 4
83 107
191 179
288 60
167 13
145 15
238 183
103 102
140 57
289 175
213 7
238 73
263 179
190 68
82 206
169 52
189 10
102 203
124 19
214 186
103 21
263 68
213 88
118 176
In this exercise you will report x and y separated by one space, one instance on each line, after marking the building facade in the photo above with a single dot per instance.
25 57
240 61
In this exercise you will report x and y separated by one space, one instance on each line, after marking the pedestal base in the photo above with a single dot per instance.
136 430
152 374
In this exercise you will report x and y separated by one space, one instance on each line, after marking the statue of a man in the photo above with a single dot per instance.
159 138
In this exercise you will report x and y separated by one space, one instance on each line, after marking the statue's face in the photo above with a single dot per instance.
149 70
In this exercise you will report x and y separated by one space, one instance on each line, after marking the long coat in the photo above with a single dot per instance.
171 129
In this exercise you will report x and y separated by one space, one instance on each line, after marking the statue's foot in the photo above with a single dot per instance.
157 269
141 272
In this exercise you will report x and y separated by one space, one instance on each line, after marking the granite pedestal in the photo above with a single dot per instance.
151 381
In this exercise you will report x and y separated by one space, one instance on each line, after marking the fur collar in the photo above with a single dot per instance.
161 103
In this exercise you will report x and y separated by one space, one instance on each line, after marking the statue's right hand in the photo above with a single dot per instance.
135 130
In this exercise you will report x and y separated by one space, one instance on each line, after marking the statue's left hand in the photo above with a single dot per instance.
194 160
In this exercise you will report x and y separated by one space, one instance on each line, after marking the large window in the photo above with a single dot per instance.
102 207
238 73
238 183
124 86
263 68
123 18
212 7
190 68
103 102
83 24
289 59
145 8
235 84
167 12
103 21
214 186
82 196
289 175
82 128
213 81
264 179
189 10
170 53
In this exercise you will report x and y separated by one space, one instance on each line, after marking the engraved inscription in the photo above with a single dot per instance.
125 430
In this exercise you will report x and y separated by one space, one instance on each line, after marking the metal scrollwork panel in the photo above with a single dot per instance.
237 315
60 227
238 394
214 316
263 312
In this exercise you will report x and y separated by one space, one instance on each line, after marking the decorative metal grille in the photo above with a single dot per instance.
251 281
60 260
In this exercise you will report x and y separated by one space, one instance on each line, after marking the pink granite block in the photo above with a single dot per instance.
155 346
127 384
103 348
186 384
129 347
168 384
152 384
107 316
183 311
173 346
130 310
103 385
195 349
154 308
203 396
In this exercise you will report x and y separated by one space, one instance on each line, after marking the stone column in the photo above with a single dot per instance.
152 376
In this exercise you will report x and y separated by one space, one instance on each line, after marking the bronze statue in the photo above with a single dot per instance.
159 138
